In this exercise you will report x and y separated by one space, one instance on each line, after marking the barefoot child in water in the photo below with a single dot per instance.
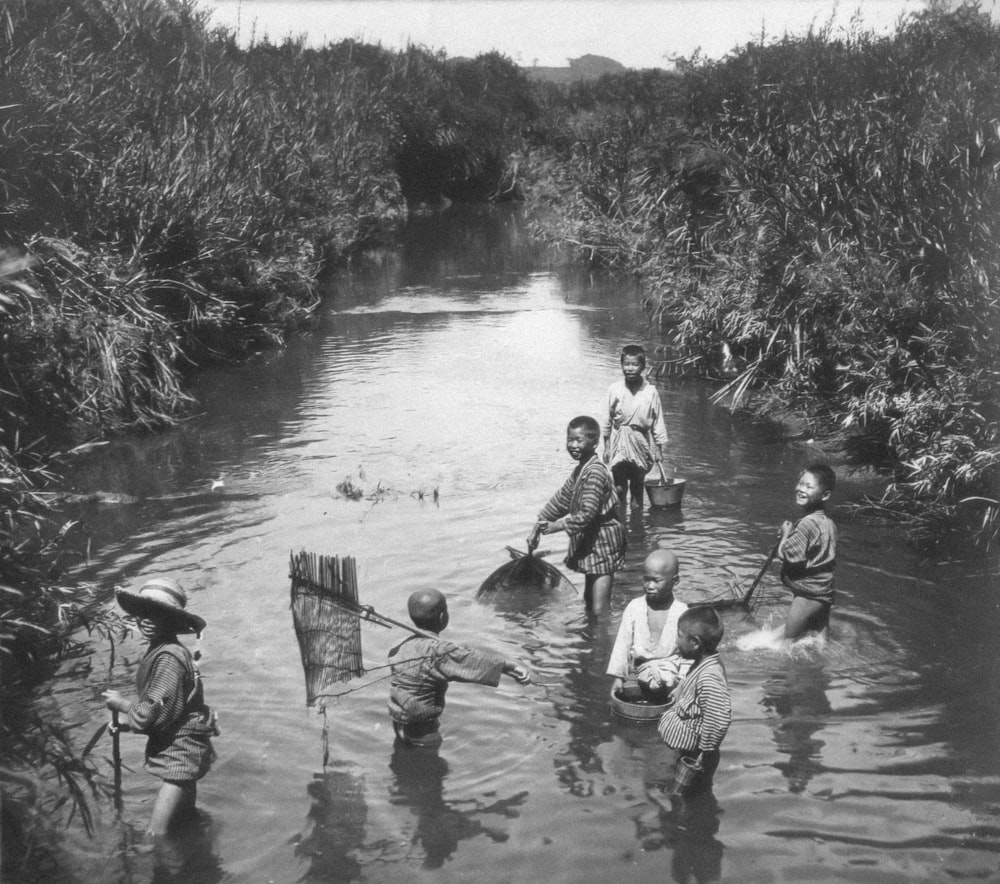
423 666
586 508
635 436
646 645
170 707
808 550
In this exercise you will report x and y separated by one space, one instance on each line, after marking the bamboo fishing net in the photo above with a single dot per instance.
324 599
525 572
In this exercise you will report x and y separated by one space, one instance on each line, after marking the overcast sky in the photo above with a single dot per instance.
638 33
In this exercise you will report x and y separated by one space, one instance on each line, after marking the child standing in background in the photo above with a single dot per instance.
808 551
635 435
586 508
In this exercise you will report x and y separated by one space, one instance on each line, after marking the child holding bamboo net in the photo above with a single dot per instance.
423 665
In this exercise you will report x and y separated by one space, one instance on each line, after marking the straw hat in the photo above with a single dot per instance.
161 599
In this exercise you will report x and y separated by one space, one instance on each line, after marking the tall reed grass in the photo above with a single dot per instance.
825 210
166 199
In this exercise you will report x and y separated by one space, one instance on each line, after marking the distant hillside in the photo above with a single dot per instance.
586 67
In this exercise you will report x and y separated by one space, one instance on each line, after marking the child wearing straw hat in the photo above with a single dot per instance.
170 708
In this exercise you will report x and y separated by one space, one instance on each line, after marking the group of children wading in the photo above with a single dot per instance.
667 648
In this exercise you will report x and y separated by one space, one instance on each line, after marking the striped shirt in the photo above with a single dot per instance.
700 714
808 556
586 507
171 710
422 668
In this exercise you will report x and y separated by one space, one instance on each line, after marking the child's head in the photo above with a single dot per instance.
428 609
582 436
699 631
815 486
160 608
633 361
634 351
659 574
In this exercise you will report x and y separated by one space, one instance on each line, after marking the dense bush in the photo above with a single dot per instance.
824 211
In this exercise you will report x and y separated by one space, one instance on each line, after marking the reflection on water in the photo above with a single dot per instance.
336 827
420 774
439 383
798 697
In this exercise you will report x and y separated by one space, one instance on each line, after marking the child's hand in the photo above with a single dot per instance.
533 537
616 685
115 701
518 673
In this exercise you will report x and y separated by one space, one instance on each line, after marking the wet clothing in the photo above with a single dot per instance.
587 508
421 669
635 641
171 710
699 717
418 733
634 423
808 556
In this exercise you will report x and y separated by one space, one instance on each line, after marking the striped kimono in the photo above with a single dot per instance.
699 717
422 667
634 422
587 509
171 710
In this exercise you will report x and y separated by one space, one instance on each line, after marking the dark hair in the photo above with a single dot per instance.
634 350
706 624
826 477
586 423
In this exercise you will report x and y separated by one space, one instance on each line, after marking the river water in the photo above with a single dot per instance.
438 383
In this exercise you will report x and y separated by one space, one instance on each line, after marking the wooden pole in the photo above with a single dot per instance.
116 757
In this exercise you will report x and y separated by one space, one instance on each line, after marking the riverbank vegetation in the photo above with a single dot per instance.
817 219
170 199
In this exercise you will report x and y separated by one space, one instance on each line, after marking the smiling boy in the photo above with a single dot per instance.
586 508
808 551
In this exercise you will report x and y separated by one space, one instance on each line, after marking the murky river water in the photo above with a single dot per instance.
453 369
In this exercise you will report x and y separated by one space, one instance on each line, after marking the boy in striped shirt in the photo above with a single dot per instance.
808 551
697 720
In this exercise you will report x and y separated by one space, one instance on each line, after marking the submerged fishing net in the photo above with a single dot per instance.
324 589
736 596
525 572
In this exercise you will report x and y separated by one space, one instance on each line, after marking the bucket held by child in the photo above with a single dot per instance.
689 776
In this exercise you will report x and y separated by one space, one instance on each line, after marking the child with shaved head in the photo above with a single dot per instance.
423 665
646 646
